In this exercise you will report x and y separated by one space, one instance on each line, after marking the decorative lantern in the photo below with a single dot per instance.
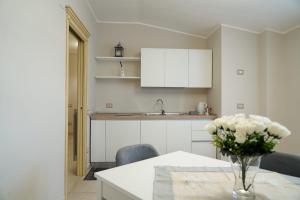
119 50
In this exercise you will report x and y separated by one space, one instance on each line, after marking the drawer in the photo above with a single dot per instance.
201 136
204 149
198 125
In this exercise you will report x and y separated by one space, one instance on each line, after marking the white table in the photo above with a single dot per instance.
135 181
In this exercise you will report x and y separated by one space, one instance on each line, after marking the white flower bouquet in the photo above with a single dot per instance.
246 136
244 140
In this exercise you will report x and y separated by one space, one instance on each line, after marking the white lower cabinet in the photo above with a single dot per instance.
108 136
120 133
98 141
204 149
201 139
154 132
178 135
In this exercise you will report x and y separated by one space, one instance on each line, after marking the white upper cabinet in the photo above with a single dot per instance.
176 68
152 67
200 68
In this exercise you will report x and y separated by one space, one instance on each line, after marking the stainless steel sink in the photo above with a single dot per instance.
167 113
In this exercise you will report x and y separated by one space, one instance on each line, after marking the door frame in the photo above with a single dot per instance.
74 24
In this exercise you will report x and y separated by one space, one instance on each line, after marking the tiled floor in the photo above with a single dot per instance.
84 190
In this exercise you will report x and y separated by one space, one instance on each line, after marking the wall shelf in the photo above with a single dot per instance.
117 77
103 58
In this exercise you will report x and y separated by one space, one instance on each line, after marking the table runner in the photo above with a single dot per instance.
216 183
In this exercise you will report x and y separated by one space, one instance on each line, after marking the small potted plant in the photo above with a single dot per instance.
244 140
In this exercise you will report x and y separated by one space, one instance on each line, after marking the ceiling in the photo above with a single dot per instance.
200 17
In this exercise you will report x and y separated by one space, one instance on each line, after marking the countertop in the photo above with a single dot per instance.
143 116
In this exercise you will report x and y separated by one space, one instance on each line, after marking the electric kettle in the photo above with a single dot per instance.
201 107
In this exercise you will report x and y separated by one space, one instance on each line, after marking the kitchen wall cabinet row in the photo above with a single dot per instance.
190 68
107 136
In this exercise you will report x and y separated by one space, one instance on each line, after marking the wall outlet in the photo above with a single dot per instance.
240 106
109 105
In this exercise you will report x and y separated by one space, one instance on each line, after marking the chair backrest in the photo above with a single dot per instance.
135 153
282 163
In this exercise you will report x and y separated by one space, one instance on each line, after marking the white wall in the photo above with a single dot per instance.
262 70
270 86
239 51
278 78
272 75
32 103
232 50
290 106
133 97
214 94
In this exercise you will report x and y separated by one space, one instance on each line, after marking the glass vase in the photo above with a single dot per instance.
244 169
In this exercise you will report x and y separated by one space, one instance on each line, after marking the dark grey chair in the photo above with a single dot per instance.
135 153
282 163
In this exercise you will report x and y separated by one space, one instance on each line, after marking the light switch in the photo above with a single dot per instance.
240 106
240 72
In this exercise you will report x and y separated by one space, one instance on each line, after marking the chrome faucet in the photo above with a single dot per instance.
161 102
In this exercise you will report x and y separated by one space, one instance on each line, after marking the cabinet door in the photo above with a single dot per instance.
120 133
176 69
154 133
200 68
97 141
178 135
204 149
199 125
152 67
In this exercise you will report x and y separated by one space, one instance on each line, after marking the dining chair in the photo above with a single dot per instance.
282 163
134 153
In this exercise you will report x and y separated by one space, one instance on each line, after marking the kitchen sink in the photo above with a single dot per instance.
167 113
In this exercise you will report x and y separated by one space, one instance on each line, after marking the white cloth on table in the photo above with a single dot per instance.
216 183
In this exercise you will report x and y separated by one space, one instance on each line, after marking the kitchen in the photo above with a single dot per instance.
139 96
168 72
148 82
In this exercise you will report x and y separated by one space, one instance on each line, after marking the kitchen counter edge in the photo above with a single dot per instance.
114 116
